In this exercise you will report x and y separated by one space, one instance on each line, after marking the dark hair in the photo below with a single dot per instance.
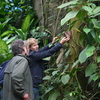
17 46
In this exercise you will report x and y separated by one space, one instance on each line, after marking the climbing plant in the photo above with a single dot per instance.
77 76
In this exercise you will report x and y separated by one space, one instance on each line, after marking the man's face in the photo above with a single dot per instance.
34 47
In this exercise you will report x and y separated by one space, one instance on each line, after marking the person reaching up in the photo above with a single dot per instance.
37 64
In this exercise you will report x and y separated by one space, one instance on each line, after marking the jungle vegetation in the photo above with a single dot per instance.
72 73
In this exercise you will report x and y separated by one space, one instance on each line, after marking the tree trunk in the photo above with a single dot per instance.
38 7
49 16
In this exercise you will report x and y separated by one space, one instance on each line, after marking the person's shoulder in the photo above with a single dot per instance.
20 57
32 52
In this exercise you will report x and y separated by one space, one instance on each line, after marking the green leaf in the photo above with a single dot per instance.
67 53
86 30
81 14
81 40
88 9
49 89
68 16
90 51
96 10
54 95
94 15
54 72
93 77
94 35
20 33
65 79
50 45
98 59
65 68
3 24
3 47
47 58
75 63
96 23
90 69
26 23
9 41
82 56
47 78
90 79
92 5
99 84
6 33
67 4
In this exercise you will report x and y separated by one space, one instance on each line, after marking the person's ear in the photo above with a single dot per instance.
23 48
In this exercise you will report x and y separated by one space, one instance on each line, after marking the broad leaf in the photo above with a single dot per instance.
99 84
54 72
90 69
86 30
98 59
9 41
92 0
54 95
96 10
46 78
18 31
3 24
67 53
88 9
95 23
66 67
51 88
68 3
69 16
81 40
26 23
82 56
75 63
90 51
93 77
81 14
65 79
3 47
6 33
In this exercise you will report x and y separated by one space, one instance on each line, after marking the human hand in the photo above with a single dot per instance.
26 97
54 39
68 34
65 39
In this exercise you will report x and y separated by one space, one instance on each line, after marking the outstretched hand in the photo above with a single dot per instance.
64 39
68 34
54 39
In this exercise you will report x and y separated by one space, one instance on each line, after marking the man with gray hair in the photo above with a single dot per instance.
17 79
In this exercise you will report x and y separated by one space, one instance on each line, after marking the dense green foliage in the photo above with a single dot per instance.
16 21
81 82
78 80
